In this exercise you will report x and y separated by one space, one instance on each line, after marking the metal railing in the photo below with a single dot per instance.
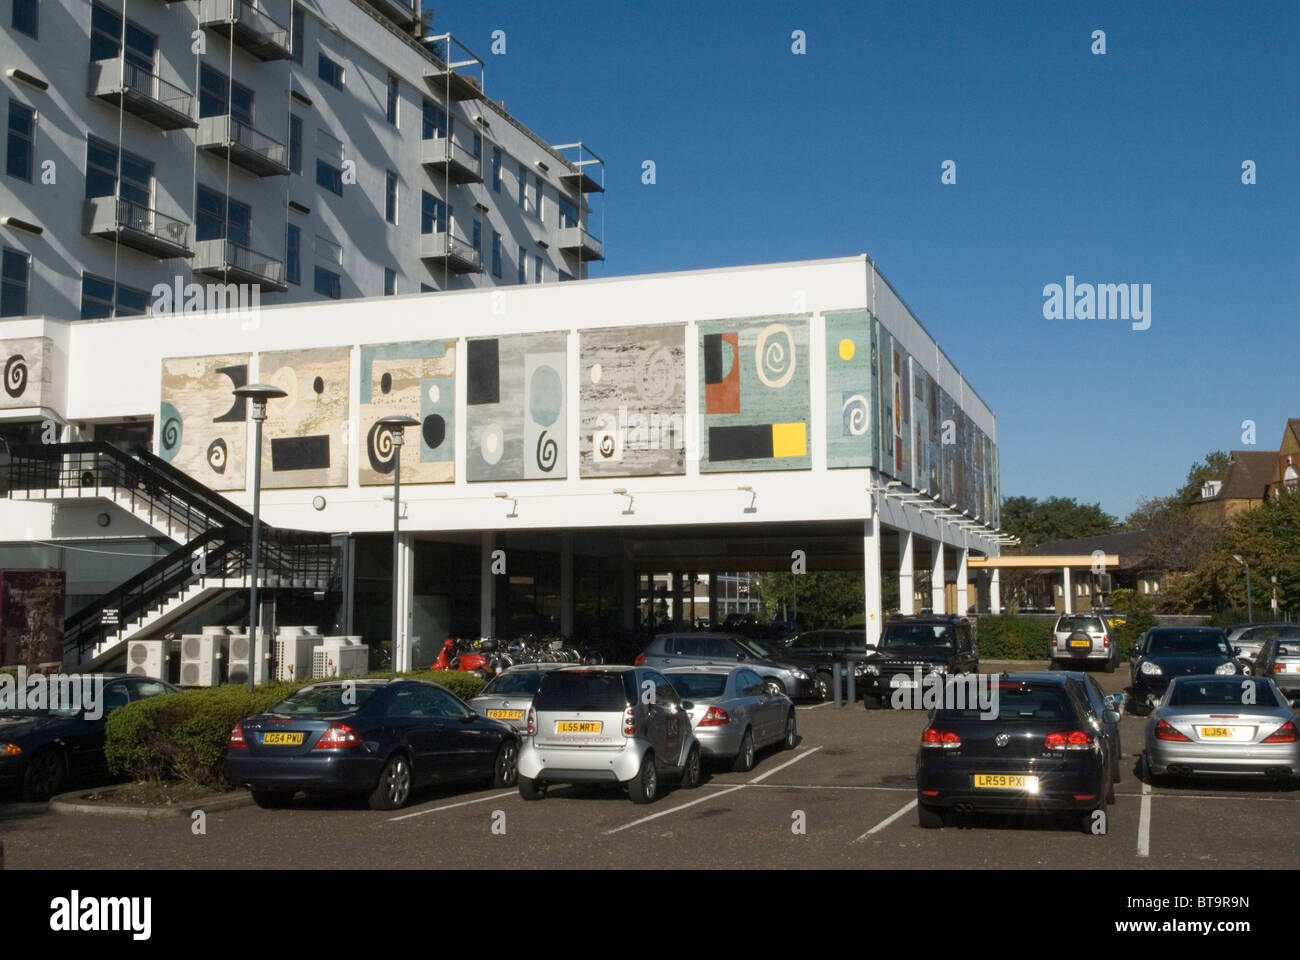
121 74
243 12
223 255
226 130
450 150
444 244
117 213
575 237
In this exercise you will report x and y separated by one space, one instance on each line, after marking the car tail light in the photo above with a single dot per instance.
1165 732
629 723
532 721
1105 639
1070 740
237 741
715 717
640 660
944 739
1085 796
1283 734
337 737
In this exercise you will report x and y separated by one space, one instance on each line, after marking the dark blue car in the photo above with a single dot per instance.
1163 653
377 738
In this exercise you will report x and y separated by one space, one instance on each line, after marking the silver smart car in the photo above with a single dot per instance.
734 712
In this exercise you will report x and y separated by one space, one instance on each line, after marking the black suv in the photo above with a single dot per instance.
930 643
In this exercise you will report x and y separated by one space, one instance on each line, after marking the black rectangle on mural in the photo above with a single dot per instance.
483 371
740 443
300 453
713 358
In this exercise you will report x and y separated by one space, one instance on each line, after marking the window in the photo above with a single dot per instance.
106 36
101 174
26 13
496 254
293 254
433 125
390 197
393 91
295 143
523 187
13 291
390 281
478 149
330 177
537 268
20 158
433 214
478 238
299 33
496 169
97 299
537 198
219 96
328 283
327 249
568 211
523 264
222 219
330 71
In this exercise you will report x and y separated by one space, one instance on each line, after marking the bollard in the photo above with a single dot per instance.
853 686
835 681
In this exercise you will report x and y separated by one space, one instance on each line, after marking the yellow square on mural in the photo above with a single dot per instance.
789 439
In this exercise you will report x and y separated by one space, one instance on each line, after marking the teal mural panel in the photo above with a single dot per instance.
850 388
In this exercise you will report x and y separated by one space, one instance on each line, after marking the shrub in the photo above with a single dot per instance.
1006 637
1122 598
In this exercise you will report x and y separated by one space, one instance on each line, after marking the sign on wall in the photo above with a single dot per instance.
415 380
201 424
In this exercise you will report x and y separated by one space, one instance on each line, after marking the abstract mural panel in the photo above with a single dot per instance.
920 426
26 373
415 380
306 435
632 397
948 446
851 375
202 428
755 405
902 422
517 407
885 397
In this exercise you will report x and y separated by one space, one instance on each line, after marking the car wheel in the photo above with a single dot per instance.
504 770
744 761
773 686
45 774
870 701
272 799
1110 666
394 786
826 681
644 787
1245 668
930 818
791 738
531 789
691 774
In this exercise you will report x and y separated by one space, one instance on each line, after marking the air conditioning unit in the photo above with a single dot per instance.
201 656
293 653
340 657
147 658
238 660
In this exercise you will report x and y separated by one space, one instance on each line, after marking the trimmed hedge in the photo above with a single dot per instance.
183 736
1014 638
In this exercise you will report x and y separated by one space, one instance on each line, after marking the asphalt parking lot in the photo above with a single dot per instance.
849 786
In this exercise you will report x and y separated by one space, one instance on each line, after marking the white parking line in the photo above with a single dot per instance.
1144 823
824 703
887 821
806 753
452 806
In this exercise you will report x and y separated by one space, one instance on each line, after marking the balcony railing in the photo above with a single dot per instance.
459 254
237 263
461 164
403 11
138 226
247 147
578 240
252 29
142 92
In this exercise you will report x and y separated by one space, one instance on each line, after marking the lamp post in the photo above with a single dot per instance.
396 426
258 393
1250 616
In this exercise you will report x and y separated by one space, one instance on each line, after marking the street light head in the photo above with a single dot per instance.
259 393
397 422
1237 557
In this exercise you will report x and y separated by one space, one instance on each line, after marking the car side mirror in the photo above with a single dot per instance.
740 656
468 717
1236 651
1111 716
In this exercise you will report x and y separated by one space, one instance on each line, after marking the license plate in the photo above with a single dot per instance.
282 739
506 714
1083 644
576 726
902 683
1227 733
1006 781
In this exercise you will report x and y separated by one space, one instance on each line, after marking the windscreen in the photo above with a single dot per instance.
524 683
1223 693
335 698
900 636
698 686
602 692
1071 624
1189 642
1021 702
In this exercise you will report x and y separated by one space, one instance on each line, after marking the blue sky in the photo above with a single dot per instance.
1122 168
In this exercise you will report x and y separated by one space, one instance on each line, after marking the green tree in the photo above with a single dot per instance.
833 595
1037 521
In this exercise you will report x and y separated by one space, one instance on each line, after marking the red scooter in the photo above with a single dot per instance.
469 662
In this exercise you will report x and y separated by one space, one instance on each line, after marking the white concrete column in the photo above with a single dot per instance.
405 600
995 592
871 577
566 584
487 587
938 602
963 592
1067 590
906 577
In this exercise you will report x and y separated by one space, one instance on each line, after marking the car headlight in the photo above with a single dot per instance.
939 668
1150 669
10 750
799 674
873 670
1228 667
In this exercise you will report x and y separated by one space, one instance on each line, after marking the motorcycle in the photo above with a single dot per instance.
457 656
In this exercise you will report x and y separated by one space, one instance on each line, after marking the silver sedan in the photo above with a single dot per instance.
734 713
1222 726
509 694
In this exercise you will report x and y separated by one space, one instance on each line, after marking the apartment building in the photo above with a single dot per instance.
305 150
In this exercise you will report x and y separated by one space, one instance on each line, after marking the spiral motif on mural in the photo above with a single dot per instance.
607 446
379 449
15 375
171 433
774 356
547 452
656 375
217 455
855 411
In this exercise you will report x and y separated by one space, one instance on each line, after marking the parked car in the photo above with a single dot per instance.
602 724
817 651
1251 638
1279 661
378 738
509 694
733 713
1218 725
43 751
723 649
1103 713
931 643
1039 755
1082 639
1163 653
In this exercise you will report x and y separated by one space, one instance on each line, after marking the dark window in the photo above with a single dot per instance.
537 268
1023 702
719 648
524 682
747 679
295 143
144 689
538 198
684 646
1194 642
478 238
97 299
433 123
106 36
26 15
390 281
393 90
13 292
665 695
562 690
219 219
496 169
293 254
523 187
699 686
20 160
523 264
1202 691
478 148
328 283
219 96
390 197
496 254
115 696
330 177
299 33
568 211
433 214
329 71
325 699
101 174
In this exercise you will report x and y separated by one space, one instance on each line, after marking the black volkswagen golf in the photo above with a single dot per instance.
1036 754
377 738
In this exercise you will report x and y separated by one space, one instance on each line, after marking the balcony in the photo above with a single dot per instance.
403 11
583 162
136 226
577 240
255 152
445 77
142 93
444 154
234 263
248 26
458 255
